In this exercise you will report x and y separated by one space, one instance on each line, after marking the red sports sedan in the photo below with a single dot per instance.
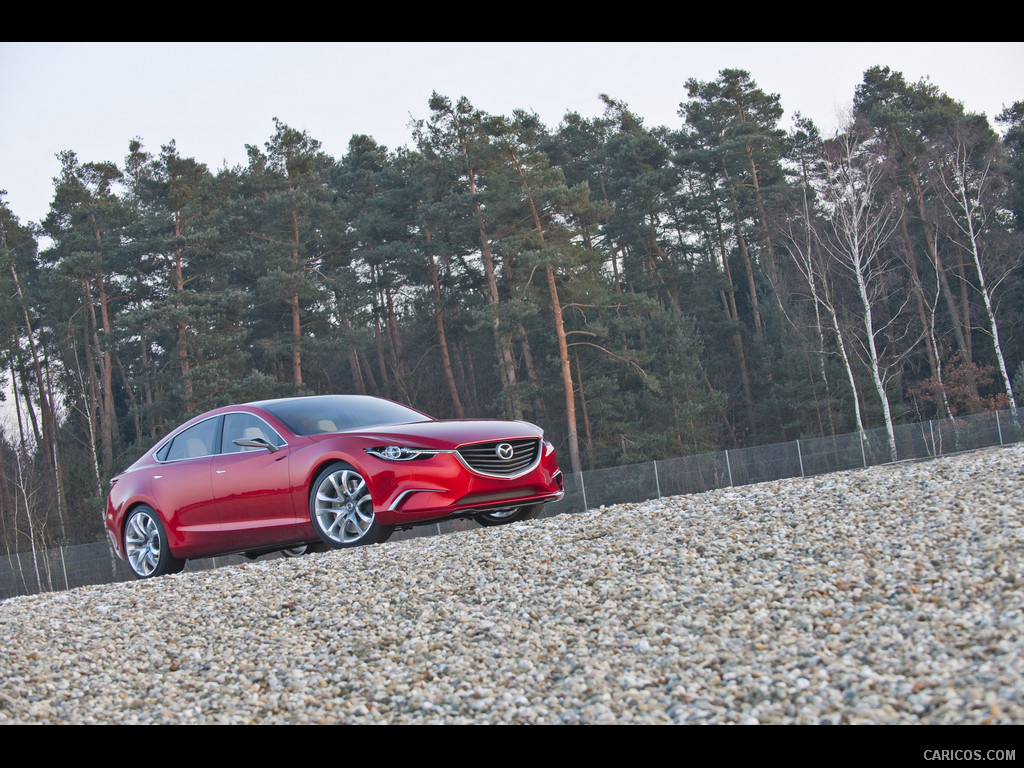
324 472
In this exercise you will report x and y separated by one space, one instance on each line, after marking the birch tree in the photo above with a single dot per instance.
860 222
800 241
967 180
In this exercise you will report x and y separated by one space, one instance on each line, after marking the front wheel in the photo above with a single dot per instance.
342 511
145 545
510 515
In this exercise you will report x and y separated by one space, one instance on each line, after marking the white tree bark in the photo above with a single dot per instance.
860 223
803 259
965 187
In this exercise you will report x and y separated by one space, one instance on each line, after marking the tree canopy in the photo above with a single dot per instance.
641 292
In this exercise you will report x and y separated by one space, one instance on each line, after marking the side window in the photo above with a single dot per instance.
200 440
245 426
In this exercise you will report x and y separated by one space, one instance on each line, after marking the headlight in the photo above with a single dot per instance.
400 453
548 448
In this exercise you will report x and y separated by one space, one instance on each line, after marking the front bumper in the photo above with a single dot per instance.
443 486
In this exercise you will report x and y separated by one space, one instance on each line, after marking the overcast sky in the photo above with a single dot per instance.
214 98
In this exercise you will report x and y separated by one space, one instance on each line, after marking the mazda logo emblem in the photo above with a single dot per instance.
504 451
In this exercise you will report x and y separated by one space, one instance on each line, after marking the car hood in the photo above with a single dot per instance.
443 434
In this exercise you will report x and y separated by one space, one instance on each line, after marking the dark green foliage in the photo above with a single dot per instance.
1012 119
684 262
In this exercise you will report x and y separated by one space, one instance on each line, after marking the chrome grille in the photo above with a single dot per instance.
485 459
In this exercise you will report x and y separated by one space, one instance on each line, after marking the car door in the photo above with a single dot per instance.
251 485
182 489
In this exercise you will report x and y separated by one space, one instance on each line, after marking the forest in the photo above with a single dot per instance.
640 292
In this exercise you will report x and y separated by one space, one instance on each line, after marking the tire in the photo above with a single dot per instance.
511 515
304 549
341 509
145 545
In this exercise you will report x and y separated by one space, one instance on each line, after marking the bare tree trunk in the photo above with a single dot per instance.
103 382
394 336
967 207
847 365
933 252
21 461
741 357
107 421
763 217
563 347
860 228
180 326
506 362
587 434
353 357
747 263
87 406
293 303
442 337
915 281
563 357
808 262
47 415
531 374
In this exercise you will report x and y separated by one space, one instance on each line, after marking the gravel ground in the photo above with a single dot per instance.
888 595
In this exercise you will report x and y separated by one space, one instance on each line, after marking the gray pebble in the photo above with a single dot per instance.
886 595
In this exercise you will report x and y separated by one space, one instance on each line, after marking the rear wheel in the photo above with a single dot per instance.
510 515
145 545
342 511
304 549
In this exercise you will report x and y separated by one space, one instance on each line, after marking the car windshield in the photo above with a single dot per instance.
335 413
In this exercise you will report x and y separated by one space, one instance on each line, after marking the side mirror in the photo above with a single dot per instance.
256 442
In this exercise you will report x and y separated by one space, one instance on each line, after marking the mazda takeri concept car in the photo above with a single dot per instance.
320 472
